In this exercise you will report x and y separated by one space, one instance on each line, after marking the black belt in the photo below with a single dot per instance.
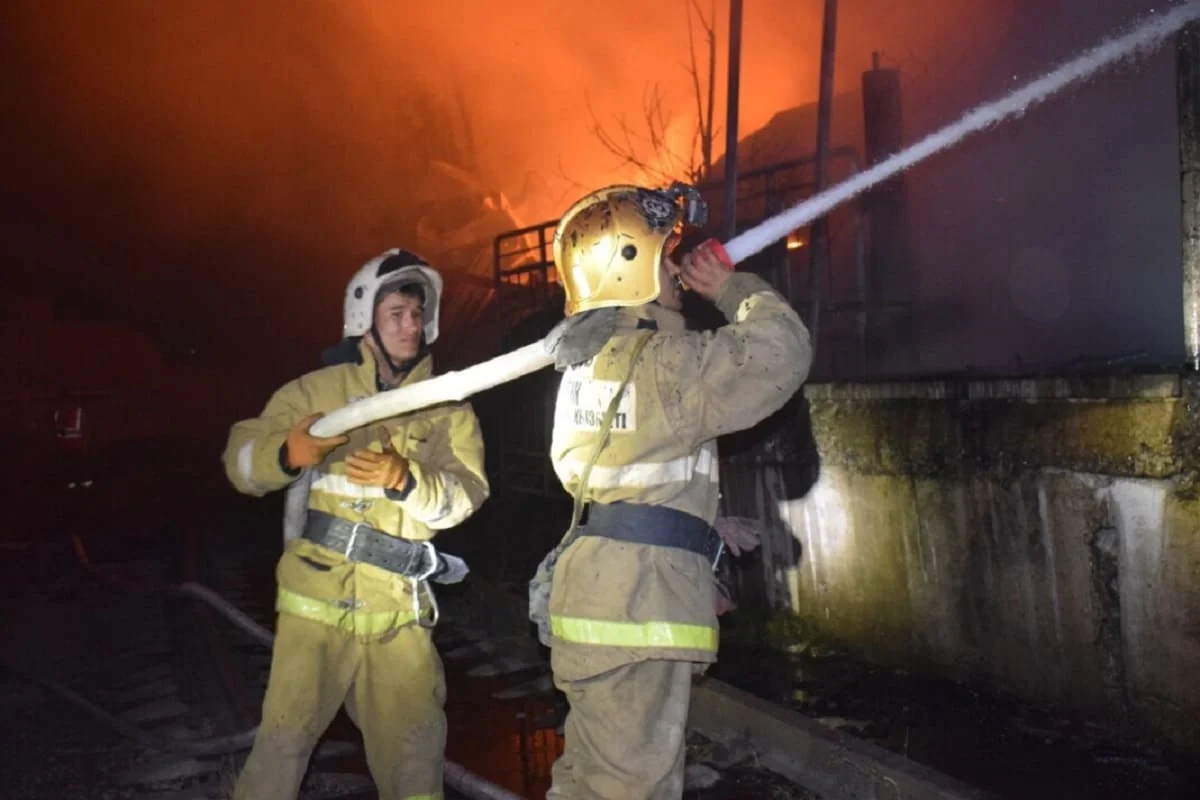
656 525
364 544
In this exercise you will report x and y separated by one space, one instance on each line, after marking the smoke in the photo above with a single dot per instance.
1049 303
214 170
540 75
330 112
1145 38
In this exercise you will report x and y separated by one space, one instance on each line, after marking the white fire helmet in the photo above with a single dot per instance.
390 267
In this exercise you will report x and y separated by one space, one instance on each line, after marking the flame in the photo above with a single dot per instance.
322 102
184 154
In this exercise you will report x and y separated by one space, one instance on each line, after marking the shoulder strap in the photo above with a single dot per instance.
605 430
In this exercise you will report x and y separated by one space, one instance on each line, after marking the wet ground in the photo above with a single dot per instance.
512 739
504 717
50 753
995 743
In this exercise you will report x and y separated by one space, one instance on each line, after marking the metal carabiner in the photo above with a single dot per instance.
717 558
423 580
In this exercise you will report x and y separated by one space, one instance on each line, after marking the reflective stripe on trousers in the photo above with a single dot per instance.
635 634
351 620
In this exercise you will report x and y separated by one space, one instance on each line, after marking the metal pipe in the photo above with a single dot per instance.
834 153
1188 87
454 775
825 96
848 153
887 279
459 385
1138 42
819 240
864 297
731 116
468 783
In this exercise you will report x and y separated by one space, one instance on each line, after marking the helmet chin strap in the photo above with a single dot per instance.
402 368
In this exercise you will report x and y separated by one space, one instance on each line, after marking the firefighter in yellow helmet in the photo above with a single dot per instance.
633 599
355 606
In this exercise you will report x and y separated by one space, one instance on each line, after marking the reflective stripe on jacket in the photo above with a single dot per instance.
445 447
615 602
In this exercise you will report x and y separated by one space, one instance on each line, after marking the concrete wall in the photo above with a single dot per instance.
1041 536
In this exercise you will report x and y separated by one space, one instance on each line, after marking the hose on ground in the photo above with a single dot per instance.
455 776
214 746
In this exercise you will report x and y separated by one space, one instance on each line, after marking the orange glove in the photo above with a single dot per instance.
306 450
387 470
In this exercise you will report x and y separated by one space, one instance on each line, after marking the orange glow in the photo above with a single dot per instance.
329 131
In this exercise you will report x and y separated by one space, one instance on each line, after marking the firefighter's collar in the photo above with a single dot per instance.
369 372
664 319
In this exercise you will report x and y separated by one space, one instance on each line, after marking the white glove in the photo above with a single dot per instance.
452 570
740 534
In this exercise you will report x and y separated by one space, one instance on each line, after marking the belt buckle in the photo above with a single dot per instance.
423 580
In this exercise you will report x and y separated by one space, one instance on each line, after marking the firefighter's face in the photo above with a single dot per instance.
399 319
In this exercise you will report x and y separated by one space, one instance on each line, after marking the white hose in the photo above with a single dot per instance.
457 386
451 387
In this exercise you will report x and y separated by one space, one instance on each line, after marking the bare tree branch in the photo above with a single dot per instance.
700 135
651 151
706 146
625 146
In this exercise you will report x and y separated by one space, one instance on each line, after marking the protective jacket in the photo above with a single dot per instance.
615 602
446 452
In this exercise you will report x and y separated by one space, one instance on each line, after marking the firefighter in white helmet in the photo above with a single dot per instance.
354 601
633 599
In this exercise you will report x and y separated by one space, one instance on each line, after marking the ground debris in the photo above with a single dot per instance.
991 741
738 773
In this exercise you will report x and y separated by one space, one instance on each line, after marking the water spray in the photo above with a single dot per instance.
1139 41
457 386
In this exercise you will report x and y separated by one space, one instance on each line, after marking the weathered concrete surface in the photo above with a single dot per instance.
1017 426
831 763
1032 535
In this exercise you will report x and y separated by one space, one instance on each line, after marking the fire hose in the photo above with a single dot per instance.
457 386
454 775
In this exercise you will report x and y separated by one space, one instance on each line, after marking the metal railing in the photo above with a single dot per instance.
527 283
524 258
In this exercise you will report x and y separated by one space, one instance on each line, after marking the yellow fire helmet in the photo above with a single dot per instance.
608 245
